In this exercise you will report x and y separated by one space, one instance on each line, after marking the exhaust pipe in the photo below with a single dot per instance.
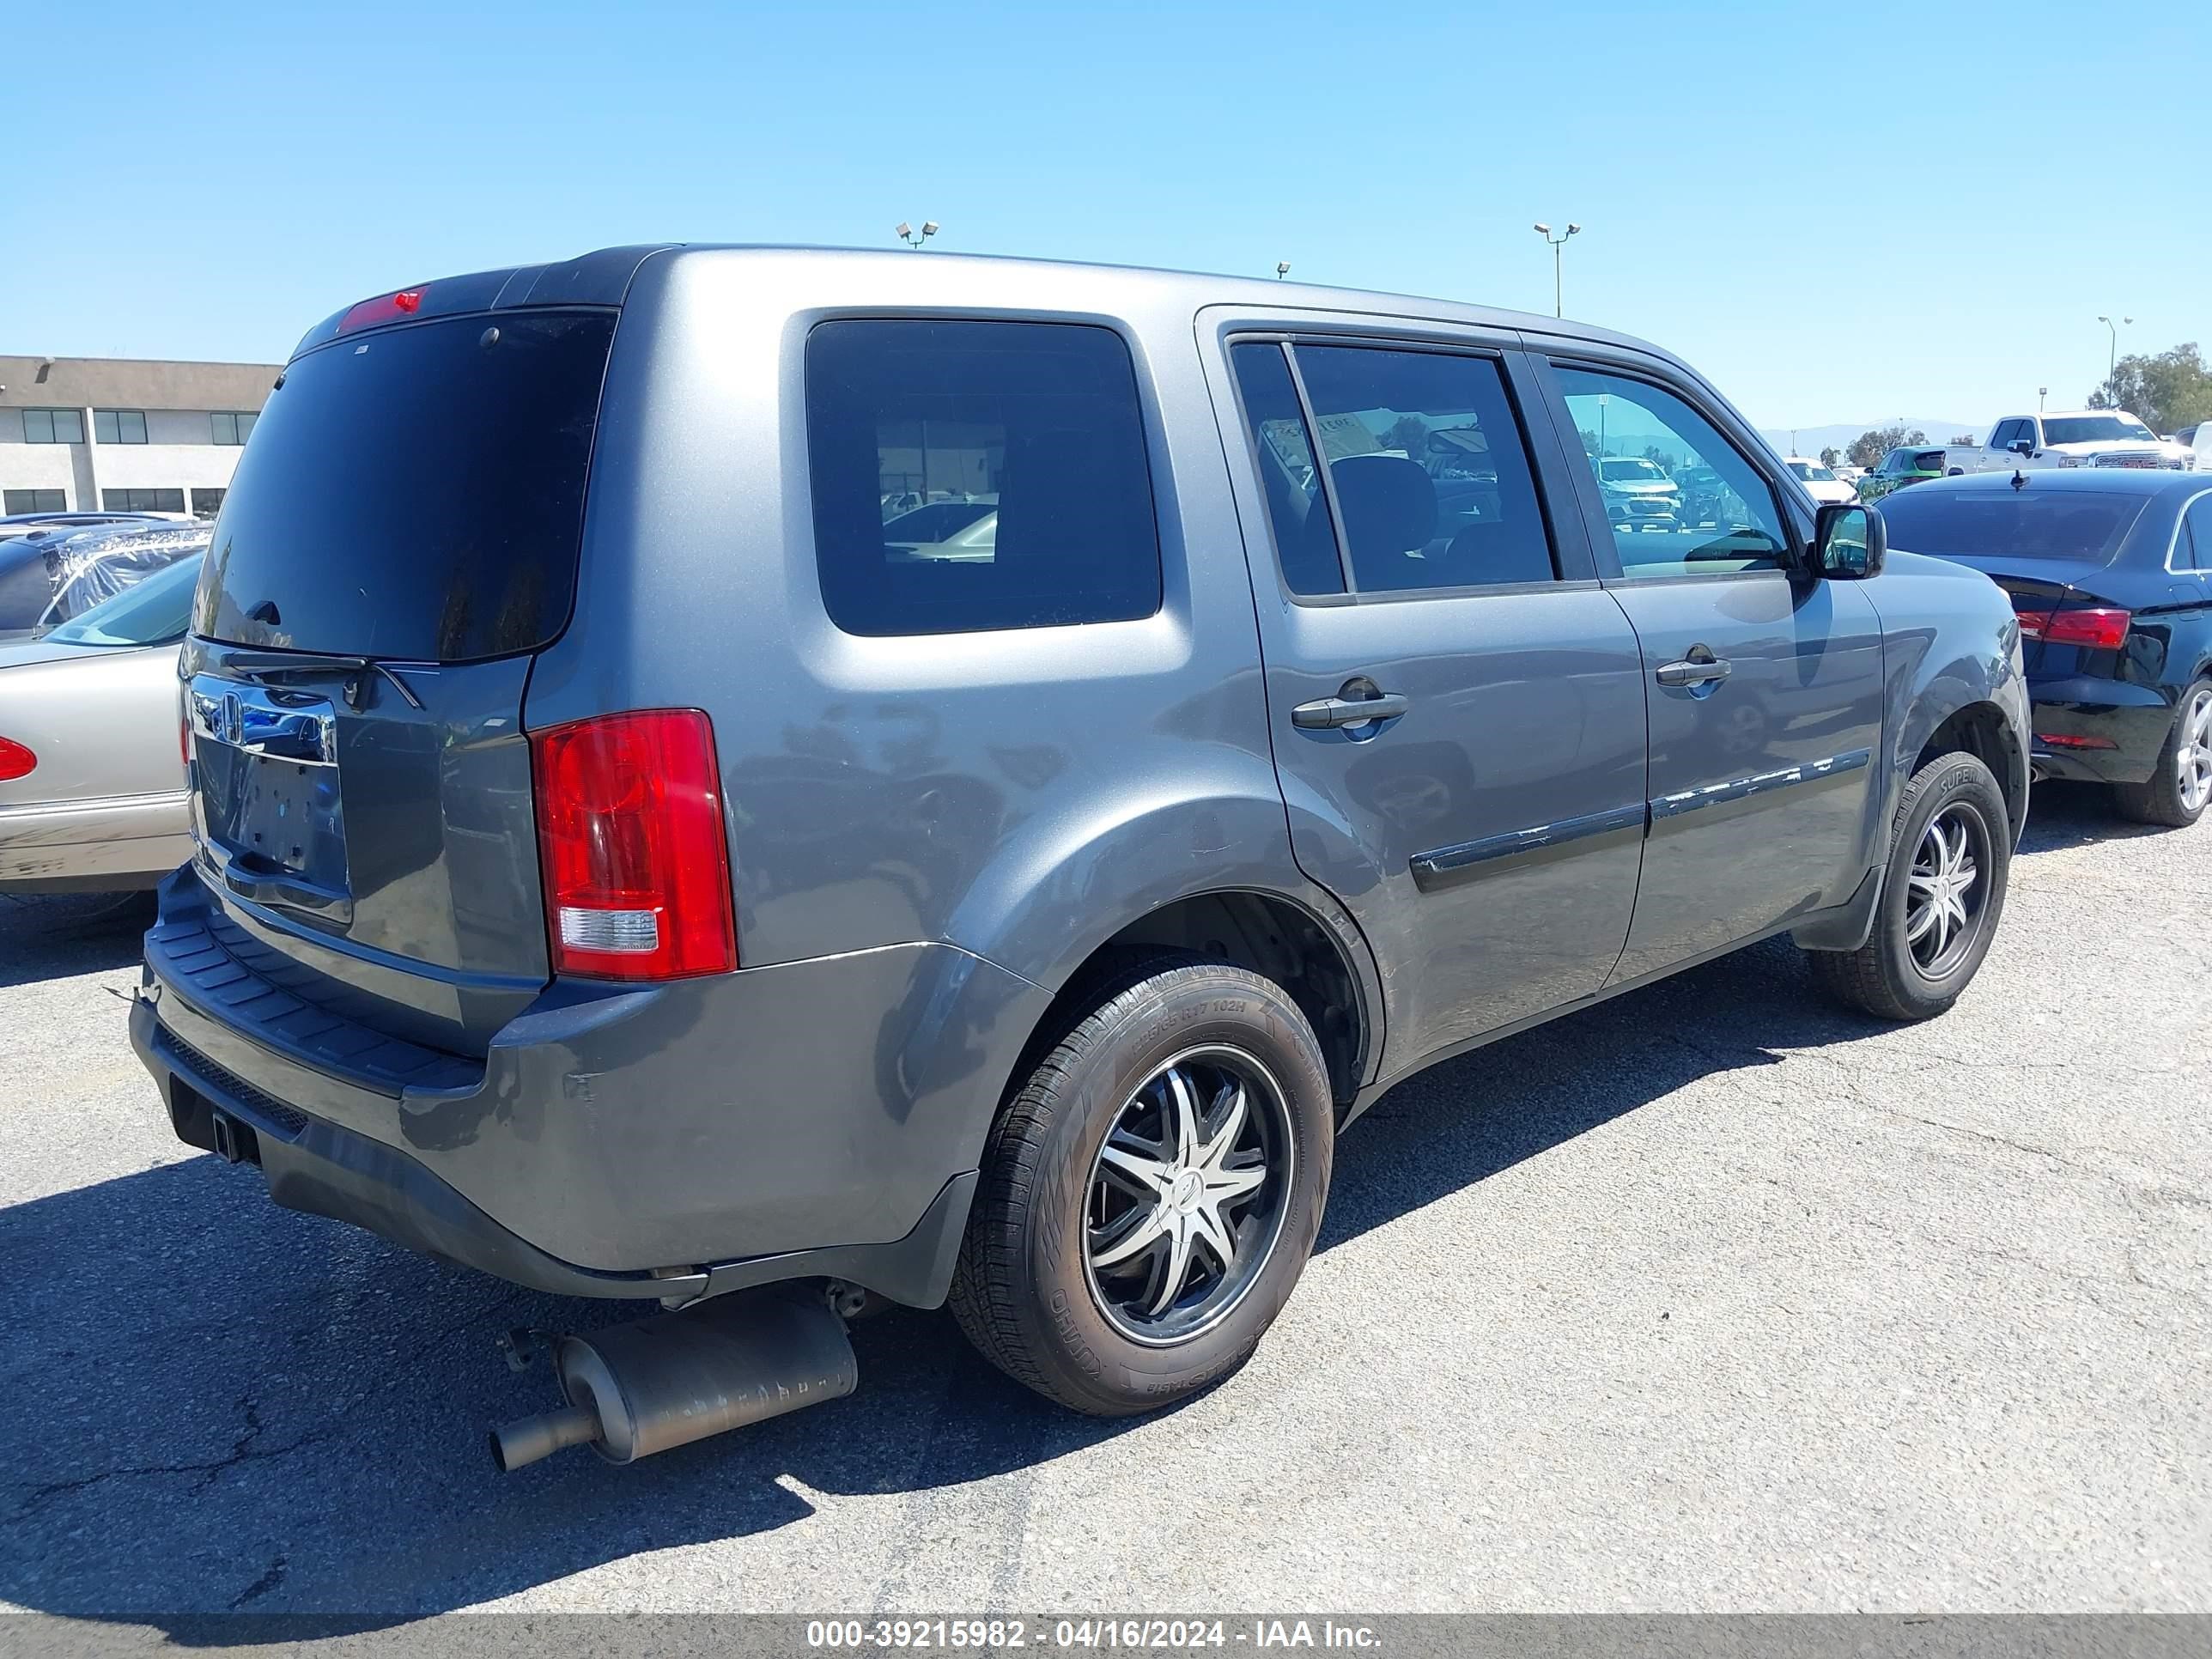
639 1388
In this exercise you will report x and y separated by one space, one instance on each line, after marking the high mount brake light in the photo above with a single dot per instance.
385 308
634 854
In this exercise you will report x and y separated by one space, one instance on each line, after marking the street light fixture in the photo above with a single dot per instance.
1282 269
2112 359
1558 303
914 238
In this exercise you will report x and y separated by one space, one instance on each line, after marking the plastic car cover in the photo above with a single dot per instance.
94 565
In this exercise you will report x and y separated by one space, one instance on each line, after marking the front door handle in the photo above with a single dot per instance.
1327 714
1699 668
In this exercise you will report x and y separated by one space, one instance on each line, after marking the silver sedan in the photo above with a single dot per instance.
92 780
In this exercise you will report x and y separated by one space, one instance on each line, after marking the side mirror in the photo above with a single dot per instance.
1849 544
2023 445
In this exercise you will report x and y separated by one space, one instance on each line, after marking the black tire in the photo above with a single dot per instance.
2160 799
1025 1289
1886 976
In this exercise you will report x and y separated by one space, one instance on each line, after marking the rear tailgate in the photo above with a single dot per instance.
400 538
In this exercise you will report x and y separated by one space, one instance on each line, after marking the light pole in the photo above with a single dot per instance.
913 238
2041 392
1558 303
1282 269
2112 359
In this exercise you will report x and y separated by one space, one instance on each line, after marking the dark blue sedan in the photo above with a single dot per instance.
2110 571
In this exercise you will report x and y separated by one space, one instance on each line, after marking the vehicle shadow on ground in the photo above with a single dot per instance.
55 938
216 1403
2062 815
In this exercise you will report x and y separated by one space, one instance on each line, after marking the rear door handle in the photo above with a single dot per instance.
1692 671
1327 714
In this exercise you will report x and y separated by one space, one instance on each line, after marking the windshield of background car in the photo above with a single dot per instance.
154 612
1812 474
2080 524
415 493
2096 429
1631 472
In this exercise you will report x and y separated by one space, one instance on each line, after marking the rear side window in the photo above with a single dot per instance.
416 493
974 476
1431 481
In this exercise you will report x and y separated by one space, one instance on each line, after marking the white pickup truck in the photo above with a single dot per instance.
2088 437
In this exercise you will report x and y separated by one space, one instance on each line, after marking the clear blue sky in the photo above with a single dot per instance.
1846 215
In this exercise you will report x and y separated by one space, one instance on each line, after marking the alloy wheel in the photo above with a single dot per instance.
1945 891
1187 1195
2193 759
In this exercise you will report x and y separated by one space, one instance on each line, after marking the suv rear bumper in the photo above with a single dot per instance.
670 1142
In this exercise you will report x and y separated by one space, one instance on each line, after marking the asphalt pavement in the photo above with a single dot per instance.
1715 1297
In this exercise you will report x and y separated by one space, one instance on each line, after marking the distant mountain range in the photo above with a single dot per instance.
1812 440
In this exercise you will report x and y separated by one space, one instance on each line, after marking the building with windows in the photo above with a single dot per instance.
81 435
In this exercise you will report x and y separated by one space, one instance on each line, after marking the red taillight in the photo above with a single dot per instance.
2100 628
637 862
15 761
382 309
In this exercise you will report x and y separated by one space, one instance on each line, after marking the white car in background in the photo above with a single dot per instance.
1821 482
2080 437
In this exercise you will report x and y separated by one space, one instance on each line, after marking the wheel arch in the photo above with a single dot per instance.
1301 942
1980 728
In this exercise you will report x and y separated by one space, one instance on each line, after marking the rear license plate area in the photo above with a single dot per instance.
268 810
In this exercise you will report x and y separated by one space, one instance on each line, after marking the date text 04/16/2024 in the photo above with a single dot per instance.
1093 1633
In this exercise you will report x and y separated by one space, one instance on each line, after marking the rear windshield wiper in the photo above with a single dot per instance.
278 665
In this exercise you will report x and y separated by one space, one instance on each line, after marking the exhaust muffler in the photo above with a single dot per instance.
639 1388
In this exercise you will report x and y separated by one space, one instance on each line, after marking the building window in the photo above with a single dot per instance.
231 429
206 503
118 426
33 500
142 501
53 426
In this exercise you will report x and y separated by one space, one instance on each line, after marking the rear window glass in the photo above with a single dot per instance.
415 493
973 476
2022 524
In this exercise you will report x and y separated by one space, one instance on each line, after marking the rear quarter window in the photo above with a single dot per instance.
978 476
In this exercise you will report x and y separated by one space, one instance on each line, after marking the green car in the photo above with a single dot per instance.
1903 466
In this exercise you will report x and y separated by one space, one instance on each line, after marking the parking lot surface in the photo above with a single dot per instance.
1713 1298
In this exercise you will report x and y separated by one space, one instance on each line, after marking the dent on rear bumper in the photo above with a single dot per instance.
801 1107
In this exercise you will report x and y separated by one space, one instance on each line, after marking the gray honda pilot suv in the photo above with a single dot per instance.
958 778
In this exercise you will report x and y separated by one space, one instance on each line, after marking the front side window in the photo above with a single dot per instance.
118 426
53 426
1030 438
1679 498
